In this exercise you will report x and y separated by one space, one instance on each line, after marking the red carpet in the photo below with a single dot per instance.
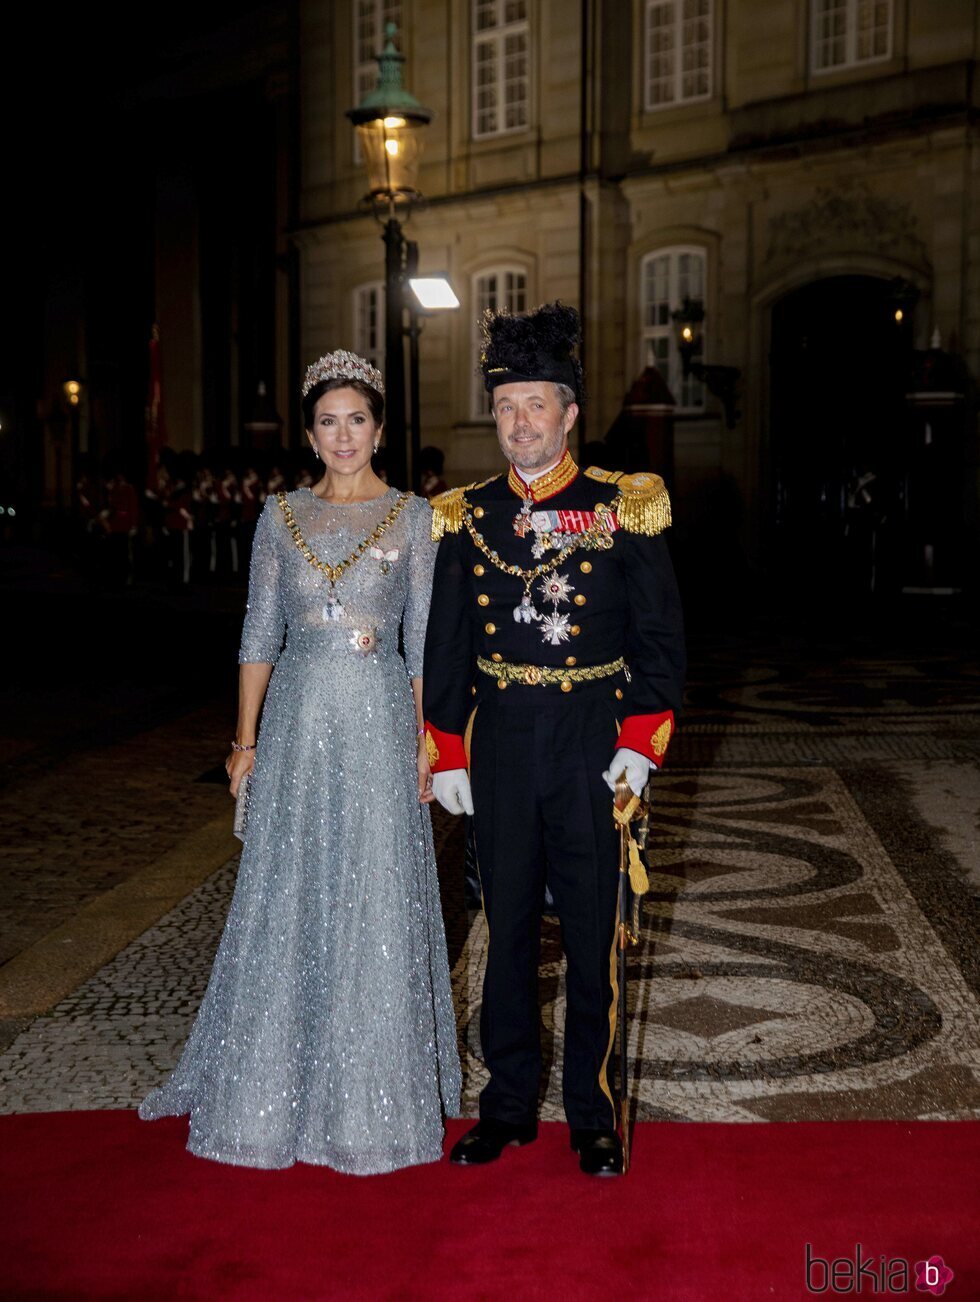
100 1205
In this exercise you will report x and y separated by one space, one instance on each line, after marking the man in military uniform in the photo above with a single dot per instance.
554 663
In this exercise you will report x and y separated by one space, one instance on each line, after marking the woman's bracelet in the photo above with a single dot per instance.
242 749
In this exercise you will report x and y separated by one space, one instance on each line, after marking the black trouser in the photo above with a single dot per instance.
544 814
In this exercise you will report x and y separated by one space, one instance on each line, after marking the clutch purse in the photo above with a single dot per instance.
240 825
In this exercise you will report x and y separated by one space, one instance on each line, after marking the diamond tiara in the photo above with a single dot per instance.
343 365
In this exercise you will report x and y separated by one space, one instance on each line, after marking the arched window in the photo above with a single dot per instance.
677 41
495 287
501 67
369 323
667 277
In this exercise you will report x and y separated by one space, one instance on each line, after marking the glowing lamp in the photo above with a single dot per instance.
389 122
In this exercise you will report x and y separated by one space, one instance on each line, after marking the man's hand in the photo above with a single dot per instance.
637 769
452 790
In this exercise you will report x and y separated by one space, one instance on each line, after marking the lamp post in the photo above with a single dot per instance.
720 380
429 294
389 123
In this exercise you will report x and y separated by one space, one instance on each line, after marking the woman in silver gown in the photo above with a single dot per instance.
327 1034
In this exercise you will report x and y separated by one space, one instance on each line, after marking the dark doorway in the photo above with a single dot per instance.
840 358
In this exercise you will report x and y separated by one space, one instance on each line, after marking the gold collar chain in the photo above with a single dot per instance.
596 537
334 572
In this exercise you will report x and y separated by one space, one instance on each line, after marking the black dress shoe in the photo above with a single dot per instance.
600 1152
488 1139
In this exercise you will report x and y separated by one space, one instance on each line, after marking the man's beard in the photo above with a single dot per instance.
537 456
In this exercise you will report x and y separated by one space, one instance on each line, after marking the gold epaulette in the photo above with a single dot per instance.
643 505
447 508
447 512
604 476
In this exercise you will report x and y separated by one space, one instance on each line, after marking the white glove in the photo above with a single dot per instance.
637 768
452 790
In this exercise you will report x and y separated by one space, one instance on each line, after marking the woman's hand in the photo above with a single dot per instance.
425 776
237 765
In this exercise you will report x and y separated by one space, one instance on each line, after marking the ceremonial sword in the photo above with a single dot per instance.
633 885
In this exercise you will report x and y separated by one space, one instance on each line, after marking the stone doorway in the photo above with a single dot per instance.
839 364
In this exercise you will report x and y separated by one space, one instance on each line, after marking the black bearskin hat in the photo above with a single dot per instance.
533 346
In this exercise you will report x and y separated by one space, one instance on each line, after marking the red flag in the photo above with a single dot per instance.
155 429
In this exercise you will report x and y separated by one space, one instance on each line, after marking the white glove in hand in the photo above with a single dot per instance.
637 768
452 790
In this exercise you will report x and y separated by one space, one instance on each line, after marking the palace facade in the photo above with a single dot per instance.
807 169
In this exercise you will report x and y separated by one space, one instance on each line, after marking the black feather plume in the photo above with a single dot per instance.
533 345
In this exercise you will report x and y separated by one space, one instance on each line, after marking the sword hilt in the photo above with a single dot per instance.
624 793
627 804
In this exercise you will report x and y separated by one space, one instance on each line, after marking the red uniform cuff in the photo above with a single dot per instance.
649 734
444 749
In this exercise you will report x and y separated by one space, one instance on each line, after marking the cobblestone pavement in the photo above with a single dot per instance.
109 772
809 947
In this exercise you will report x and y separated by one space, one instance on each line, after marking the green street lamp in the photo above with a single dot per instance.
389 122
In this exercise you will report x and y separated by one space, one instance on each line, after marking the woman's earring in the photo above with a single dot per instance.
377 445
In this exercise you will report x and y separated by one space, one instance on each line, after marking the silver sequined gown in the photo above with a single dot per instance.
327 1034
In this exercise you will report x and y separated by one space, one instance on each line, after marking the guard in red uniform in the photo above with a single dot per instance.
554 663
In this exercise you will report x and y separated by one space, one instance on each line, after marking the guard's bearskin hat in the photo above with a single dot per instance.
536 345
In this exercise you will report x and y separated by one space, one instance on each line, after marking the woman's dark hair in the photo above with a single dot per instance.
374 400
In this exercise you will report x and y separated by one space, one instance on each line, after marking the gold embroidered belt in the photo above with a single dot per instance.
545 676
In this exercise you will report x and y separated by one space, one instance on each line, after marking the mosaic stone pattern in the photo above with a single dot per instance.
785 970
809 947
121 1032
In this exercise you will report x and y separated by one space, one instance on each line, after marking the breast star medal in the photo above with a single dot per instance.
556 589
554 626
365 640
